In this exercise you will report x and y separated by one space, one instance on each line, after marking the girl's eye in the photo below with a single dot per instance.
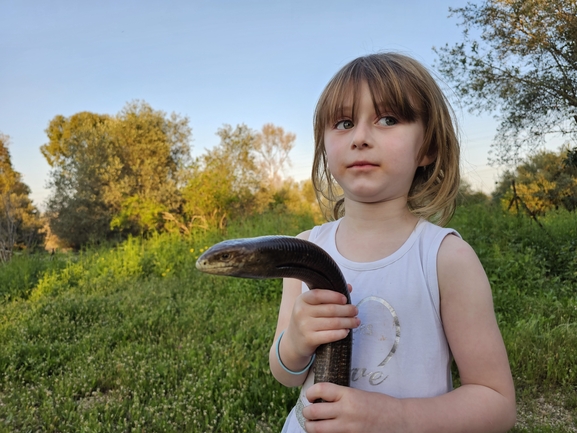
344 124
388 121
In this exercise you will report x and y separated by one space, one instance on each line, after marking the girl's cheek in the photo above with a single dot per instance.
331 164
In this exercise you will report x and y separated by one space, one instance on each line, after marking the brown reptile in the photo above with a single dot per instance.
287 257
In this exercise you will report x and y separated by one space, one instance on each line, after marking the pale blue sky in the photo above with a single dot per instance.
217 62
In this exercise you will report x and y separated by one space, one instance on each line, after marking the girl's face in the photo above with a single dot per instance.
373 157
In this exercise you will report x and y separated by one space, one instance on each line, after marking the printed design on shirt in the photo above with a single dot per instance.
378 337
299 412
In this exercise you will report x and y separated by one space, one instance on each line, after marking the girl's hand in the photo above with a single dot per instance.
319 316
308 320
351 410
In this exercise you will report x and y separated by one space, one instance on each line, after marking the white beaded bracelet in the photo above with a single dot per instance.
296 373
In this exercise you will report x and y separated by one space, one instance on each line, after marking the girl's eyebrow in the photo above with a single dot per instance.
383 107
345 109
379 107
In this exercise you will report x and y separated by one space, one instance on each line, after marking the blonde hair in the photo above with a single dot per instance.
409 92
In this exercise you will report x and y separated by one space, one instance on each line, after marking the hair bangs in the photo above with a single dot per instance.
391 93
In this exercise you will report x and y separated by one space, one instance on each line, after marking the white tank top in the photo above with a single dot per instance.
400 348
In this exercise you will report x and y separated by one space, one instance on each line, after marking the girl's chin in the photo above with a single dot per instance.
372 199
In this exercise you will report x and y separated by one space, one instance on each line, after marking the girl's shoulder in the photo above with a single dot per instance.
304 235
459 269
431 229
455 251
320 232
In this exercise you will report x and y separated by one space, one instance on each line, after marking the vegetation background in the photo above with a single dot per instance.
106 326
133 338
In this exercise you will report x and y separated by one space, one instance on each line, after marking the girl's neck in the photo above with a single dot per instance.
389 215
372 231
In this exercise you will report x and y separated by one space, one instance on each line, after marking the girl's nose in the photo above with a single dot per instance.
361 136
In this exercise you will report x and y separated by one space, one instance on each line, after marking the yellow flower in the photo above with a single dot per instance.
192 250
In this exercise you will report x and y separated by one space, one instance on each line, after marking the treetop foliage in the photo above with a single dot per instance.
543 182
10 180
517 58
132 173
239 176
102 165
273 146
19 219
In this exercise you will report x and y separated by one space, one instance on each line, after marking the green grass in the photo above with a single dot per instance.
133 338
533 273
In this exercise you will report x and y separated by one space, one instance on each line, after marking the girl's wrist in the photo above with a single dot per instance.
294 365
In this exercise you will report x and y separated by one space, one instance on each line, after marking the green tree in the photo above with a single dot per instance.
19 219
541 183
80 152
225 181
469 196
154 151
517 58
238 177
296 198
108 172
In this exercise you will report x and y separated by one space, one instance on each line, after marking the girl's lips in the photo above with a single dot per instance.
362 164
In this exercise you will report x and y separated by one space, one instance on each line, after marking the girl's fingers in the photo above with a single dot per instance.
328 393
328 425
331 311
329 304
331 335
320 316
323 296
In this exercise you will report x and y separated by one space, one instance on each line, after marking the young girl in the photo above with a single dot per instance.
386 162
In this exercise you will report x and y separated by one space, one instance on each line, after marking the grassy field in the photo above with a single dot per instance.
133 338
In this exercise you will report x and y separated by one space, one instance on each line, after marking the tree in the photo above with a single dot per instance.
467 196
154 150
523 65
237 177
541 183
225 181
296 198
155 154
107 170
273 146
19 220
80 152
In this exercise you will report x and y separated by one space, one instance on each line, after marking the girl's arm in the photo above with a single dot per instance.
308 320
485 401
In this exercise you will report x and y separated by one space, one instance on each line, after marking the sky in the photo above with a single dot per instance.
216 62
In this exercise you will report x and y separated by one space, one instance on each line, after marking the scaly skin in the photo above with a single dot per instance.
287 257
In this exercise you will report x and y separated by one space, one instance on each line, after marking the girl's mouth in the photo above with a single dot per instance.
362 164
